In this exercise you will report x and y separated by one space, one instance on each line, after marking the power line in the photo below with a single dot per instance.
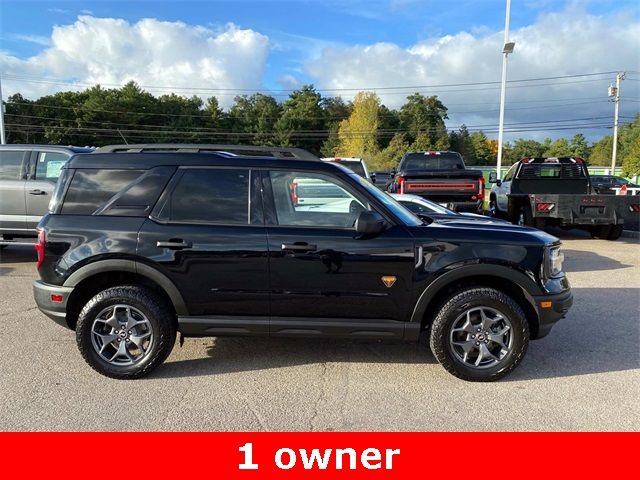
220 89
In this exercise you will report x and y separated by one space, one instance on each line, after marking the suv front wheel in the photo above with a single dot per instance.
479 334
125 332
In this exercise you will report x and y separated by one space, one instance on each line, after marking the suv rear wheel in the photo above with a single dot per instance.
479 334
125 332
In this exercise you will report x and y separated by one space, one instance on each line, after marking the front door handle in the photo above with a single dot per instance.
174 244
37 192
299 247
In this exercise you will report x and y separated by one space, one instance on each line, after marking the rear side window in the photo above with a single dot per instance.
212 195
10 165
91 189
49 164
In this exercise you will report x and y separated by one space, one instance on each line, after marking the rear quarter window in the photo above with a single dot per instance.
91 189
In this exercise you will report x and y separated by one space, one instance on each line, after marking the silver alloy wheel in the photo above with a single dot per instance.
481 337
122 335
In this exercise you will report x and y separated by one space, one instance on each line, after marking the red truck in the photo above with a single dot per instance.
442 177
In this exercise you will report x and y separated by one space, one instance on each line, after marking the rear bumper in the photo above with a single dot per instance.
56 311
549 315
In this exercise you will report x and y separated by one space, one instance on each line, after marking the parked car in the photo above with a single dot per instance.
541 192
28 174
381 179
605 184
436 212
137 247
354 164
441 177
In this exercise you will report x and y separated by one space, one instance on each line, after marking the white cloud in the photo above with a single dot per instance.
150 52
562 43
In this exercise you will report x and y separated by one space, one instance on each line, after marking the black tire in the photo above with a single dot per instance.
493 207
525 218
152 306
456 306
601 232
615 233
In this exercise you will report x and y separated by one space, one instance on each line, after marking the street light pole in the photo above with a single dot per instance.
2 137
616 100
507 49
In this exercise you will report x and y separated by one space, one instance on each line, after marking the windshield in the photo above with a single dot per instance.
408 218
422 161
434 207
354 166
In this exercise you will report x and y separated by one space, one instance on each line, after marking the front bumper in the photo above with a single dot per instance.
551 308
56 311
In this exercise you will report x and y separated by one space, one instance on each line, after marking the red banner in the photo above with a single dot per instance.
96 456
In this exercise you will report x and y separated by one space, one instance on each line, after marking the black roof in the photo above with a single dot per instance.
144 161
244 150
67 148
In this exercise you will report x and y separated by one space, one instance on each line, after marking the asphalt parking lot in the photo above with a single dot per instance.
584 376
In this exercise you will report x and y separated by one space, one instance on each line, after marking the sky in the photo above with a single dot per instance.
567 53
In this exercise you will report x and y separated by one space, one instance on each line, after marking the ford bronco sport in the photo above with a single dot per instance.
139 246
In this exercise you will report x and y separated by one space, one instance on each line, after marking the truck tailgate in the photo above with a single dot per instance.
586 209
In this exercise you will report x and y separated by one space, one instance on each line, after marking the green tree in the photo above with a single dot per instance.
579 146
523 147
390 156
558 148
301 112
460 142
334 110
424 117
601 151
481 150
253 117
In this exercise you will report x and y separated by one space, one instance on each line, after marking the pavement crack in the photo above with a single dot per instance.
256 414
322 397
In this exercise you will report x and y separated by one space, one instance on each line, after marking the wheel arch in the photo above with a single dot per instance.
511 282
97 276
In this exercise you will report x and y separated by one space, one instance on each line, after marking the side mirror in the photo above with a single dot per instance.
393 172
493 177
372 176
369 223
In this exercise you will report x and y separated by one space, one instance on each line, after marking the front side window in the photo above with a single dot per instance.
212 195
10 164
314 200
49 164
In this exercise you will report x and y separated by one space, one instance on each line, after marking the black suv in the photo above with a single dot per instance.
139 246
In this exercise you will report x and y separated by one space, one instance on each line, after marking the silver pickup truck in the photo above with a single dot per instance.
28 174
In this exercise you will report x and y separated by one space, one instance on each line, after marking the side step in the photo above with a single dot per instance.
218 326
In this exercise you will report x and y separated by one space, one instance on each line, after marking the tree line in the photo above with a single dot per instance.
326 126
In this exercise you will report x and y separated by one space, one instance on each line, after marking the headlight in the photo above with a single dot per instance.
554 261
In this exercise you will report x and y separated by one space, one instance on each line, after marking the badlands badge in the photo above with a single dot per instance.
388 280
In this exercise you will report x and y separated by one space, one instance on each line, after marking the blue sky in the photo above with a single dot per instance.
295 27
334 44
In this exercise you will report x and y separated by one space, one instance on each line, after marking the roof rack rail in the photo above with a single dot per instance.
242 150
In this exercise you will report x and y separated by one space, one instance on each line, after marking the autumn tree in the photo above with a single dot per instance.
357 134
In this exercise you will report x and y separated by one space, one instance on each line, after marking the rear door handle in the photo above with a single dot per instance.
299 247
37 192
174 244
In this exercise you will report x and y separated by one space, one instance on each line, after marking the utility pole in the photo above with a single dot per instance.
2 137
615 93
506 50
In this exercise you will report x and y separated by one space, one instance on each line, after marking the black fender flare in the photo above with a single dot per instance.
529 287
130 266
